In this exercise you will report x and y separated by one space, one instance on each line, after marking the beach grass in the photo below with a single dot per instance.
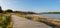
5 21
20 15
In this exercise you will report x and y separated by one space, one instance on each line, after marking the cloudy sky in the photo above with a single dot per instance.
31 5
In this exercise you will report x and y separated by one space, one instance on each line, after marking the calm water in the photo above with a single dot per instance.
52 15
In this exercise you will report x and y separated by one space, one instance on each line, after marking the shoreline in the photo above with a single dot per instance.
54 22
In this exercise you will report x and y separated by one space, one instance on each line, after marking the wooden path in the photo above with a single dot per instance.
19 22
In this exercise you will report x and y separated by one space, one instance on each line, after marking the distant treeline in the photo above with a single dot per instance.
11 11
24 12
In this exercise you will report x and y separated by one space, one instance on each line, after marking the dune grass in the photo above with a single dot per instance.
20 15
5 21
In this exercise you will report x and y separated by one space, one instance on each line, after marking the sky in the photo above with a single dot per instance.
31 5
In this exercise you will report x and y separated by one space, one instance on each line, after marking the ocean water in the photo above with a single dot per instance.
51 15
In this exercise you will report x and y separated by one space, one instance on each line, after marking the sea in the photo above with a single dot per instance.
51 15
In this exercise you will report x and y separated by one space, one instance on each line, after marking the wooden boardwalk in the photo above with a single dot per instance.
25 23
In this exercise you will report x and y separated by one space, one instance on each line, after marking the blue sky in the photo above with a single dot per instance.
31 5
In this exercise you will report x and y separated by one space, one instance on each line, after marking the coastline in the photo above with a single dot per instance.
47 20
53 22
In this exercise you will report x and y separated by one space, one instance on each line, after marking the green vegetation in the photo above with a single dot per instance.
24 13
21 15
1 10
9 10
5 21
